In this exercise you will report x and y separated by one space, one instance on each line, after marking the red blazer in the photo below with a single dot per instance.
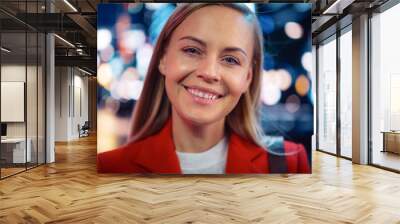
156 154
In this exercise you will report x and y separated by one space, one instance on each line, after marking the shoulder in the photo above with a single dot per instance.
296 158
245 157
251 158
121 159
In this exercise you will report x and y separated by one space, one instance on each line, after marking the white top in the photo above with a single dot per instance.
212 161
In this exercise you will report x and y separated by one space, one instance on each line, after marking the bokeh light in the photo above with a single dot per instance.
154 6
107 53
128 90
306 61
135 89
117 66
106 139
284 79
293 30
270 92
104 75
280 78
133 39
132 86
104 38
302 85
292 103
130 73
143 58
270 77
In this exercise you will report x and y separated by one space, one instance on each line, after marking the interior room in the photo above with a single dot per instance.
385 76
55 118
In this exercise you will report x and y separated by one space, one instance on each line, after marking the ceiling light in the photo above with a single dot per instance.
65 41
5 49
84 71
329 9
337 7
70 5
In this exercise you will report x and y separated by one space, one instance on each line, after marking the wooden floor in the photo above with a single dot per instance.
388 159
5 172
10 171
70 191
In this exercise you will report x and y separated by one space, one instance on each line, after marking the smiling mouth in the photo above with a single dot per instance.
203 95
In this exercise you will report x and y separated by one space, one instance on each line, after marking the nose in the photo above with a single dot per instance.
208 70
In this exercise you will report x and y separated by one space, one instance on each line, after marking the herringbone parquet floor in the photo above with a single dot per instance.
70 191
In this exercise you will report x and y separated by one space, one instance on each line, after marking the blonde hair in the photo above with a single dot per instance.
153 107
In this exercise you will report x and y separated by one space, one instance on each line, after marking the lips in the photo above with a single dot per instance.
203 93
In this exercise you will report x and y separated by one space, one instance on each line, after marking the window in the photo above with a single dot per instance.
385 89
22 76
346 93
327 96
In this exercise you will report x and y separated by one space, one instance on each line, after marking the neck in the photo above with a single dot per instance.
191 137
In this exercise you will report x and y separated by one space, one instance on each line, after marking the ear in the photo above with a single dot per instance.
161 65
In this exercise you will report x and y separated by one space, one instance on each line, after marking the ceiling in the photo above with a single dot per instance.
77 23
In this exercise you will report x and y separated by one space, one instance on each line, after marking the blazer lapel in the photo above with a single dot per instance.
157 153
242 156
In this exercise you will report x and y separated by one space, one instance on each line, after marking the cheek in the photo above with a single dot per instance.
237 85
168 89
177 66
171 88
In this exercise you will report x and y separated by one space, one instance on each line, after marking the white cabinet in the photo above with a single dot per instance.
19 155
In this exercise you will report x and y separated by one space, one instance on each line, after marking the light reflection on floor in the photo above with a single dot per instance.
386 159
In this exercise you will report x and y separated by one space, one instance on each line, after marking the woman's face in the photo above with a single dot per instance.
208 64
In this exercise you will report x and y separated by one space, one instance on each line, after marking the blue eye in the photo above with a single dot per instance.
231 60
191 51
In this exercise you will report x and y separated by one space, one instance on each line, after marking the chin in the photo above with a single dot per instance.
201 118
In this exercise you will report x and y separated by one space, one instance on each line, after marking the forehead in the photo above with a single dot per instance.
217 24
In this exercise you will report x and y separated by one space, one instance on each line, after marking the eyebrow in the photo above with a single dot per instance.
202 43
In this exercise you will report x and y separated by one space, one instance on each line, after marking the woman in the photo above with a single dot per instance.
197 112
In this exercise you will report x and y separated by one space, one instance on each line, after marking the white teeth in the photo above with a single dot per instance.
201 94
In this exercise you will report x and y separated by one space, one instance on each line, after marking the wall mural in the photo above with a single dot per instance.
204 88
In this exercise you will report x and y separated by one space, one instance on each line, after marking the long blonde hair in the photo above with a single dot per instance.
154 108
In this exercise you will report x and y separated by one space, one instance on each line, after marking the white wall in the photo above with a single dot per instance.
33 126
62 81
71 102
16 73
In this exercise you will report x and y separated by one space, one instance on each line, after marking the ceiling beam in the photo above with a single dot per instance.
337 7
85 25
83 61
